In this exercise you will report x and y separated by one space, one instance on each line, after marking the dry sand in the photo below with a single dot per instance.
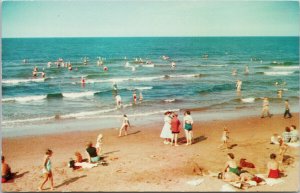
141 162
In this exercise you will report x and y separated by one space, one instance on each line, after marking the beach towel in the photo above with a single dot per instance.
195 182
245 164
270 181
227 188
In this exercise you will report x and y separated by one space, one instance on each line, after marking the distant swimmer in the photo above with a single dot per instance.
24 61
34 73
127 64
173 64
49 64
83 80
115 87
234 72
70 66
165 57
118 101
141 96
43 74
132 68
35 69
238 85
148 62
105 68
134 97
246 70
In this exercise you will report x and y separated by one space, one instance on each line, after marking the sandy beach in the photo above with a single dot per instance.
141 162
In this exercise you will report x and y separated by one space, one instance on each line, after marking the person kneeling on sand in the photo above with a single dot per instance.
92 153
6 171
231 165
273 167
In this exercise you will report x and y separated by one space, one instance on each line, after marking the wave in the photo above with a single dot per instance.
17 81
285 67
248 100
24 98
218 88
212 65
141 88
78 94
170 100
148 65
85 114
278 73
27 120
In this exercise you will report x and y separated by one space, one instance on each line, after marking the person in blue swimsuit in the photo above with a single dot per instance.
47 169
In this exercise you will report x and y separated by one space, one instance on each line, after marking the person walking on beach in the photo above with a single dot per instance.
175 123
166 130
238 85
265 109
188 126
125 125
224 138
287 109
47 169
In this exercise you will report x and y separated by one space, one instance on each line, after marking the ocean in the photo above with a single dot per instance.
202 79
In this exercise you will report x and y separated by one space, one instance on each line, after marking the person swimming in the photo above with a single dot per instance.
43 74
173 64
82 80
105 68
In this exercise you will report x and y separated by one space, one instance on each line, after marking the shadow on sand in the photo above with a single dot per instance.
69 181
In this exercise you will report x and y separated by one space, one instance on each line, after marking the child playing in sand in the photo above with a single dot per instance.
224 138
99 144
125 125
47 169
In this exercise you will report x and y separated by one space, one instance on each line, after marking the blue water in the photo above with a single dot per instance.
196 81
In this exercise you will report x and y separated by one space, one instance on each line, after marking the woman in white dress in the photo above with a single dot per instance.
166 130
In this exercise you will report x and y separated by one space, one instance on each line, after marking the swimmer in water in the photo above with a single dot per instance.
238 85
141 96
34 73
173 64
134 97
234 72
82 80
115 87
105 68
43 74
49 64
246 70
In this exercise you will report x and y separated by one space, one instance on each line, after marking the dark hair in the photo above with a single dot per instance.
220 175
294 126
272 155
188 112
287 129
89 144
2 157
49 151
287 100
125 115
230 155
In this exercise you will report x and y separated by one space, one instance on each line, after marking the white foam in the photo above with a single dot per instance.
213 65
25 98
17 81
27 120
278 73
184 76
248 100
285 67
148 65
142 88
86 114
169 100
78 94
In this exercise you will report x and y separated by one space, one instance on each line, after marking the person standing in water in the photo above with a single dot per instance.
287 109
246 70
238 85
134 97
265 109
141 96
118 101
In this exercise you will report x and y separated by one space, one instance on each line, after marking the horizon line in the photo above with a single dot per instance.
149 36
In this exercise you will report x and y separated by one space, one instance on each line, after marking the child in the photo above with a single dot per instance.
175 123
99 144
47 169
225 137
124 126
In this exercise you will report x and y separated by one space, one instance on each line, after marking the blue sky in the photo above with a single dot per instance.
149 18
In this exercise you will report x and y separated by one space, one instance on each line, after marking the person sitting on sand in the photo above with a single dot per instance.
175 123
273 167
92 153
286 135
125 125
80 163
166 130
224 138
275 139
228 177
294 134
231 165
188 127
47 169
6 171
99 143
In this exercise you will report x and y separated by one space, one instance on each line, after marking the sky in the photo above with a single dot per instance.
140 18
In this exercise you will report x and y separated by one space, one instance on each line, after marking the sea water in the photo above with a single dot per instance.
202 79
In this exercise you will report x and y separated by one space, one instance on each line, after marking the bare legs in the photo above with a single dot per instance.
48 176
121 129
189 137
174 138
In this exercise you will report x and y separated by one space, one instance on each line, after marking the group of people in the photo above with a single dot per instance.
266 110
35 72
172 127
118 97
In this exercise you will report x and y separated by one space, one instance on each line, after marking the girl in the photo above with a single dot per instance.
225 137
188 126
124 126
166 130
175 123
47 169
